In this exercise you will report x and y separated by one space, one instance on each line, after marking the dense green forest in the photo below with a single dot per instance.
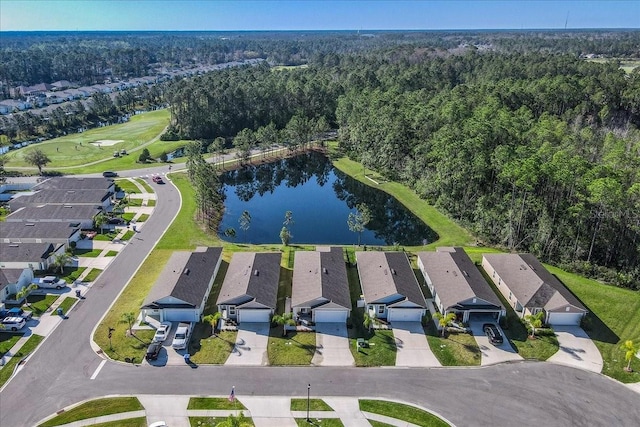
532 151
514 134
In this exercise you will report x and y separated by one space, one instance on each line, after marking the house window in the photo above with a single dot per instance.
494 274
232 310
370 308
304 310
381 309
509 296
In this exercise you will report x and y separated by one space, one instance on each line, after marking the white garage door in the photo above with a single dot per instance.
333 316
565 318
251 316
405 315
180 315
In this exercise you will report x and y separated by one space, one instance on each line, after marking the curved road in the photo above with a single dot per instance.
524 393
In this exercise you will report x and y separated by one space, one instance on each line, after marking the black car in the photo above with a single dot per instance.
109 174
492 332
116 221
153 351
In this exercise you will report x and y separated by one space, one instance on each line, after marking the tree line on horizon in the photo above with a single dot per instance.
532 152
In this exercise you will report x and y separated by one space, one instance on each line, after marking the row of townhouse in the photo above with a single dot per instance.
43 222
390 289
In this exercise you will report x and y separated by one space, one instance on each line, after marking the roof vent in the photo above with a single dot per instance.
324 270
186 272
464 272
393 272
256 273
532 267
30 224
455 273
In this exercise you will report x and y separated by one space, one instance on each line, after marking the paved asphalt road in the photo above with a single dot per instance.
523 393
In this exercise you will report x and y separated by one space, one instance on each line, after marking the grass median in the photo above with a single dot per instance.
28 347
95 408
403 412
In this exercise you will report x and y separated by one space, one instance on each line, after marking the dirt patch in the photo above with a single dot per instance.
107 142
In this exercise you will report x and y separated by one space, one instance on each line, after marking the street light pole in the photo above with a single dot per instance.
308 394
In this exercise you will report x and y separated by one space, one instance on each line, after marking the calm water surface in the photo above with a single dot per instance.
320 198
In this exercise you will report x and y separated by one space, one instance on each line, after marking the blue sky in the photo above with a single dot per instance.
214 15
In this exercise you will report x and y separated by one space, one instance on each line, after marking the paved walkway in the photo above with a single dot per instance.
332 345
490 353
251 345
576 349
264 411
412 347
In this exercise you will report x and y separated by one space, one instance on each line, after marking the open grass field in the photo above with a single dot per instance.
81 148
628 65
454 350
96 408
402 412
208 348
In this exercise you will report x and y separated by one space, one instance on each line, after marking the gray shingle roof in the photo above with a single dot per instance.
186 276
254 275
36 230
25 252
320 275
54 212
455 278
68 183
61 197
532 284
383 274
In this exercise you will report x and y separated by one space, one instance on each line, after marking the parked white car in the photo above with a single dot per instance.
13 323
162 332
181 338
50 282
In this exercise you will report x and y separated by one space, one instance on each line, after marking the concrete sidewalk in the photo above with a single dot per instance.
264 411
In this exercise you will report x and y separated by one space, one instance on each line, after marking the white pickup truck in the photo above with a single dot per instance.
49 282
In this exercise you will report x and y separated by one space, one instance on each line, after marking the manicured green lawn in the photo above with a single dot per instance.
88 253
375 423
455 350
71 273
297 348
78 150
128 216
314 405
211 349
214 403
27 348
614 317
143 218
106 237
93 274
145 184
381 352
212 421
151 203
128 235
38 304
96 408
131 422
7 341
128 186
402 412
326 422
65 305
134 202
111 253
450 233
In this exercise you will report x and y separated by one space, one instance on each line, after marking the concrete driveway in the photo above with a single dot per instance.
576 349
412 347
332 345
251 345
490 353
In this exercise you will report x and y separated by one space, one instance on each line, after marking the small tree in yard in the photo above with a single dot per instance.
129 318
24 292
285 320
369 321
535 322
37 158
444 320
213 319
630 350
285 236
60 260
145 156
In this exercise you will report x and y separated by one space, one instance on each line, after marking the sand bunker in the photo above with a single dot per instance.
107 142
